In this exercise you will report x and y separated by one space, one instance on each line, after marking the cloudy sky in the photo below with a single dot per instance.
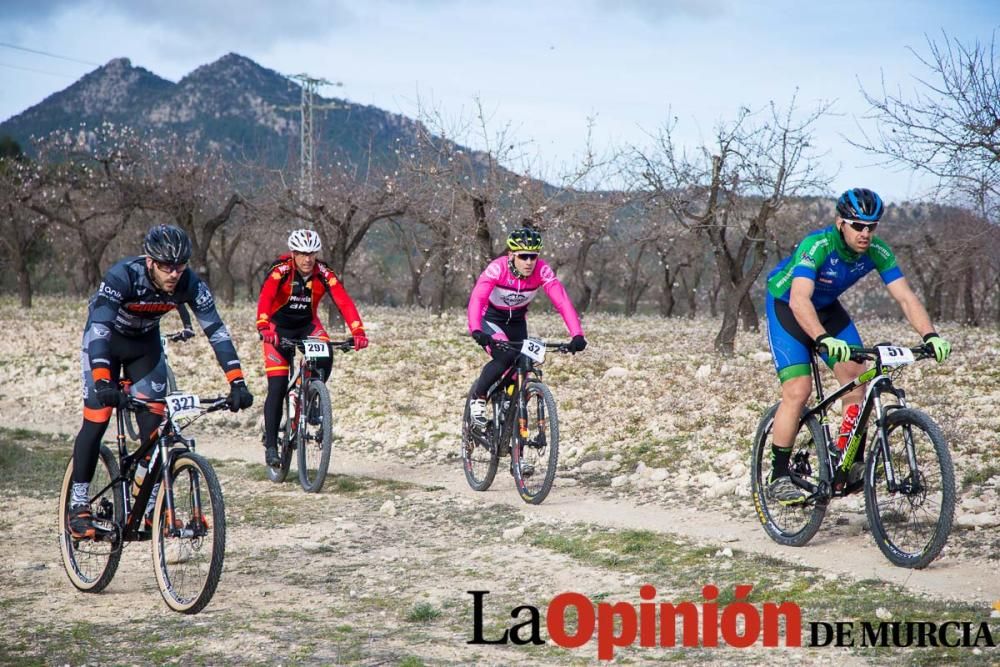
542 67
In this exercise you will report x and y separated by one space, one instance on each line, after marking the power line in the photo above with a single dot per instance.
38 71
50 55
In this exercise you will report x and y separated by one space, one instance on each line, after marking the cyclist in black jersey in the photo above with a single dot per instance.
123 335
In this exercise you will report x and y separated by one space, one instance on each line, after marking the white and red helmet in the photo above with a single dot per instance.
304 240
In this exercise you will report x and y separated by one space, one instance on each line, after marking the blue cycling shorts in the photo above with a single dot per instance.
791 347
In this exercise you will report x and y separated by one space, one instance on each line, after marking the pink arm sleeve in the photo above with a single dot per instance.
557 295
478 301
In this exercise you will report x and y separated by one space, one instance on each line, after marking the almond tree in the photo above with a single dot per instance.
22 230
480 179
728 192
89 187
192 190
949 125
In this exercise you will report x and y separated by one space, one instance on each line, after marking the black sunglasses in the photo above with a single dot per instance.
527 256
167 267
862 226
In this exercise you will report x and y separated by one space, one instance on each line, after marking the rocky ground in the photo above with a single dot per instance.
652 488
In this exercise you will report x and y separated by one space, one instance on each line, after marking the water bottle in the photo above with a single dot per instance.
850 419
293 410
140 475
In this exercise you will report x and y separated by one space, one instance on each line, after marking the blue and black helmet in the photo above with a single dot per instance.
166 243
860 204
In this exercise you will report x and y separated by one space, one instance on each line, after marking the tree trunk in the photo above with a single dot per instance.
971 318
580 275
441 297
635 285
483 238
748 314
23 278
667 295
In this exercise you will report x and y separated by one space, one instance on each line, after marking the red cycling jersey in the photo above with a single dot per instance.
288 300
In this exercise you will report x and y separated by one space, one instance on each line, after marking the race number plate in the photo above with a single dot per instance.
179 405
316 349
891 355
533 349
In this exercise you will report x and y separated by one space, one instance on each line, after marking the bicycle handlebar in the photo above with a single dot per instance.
212 404
178 337
342 345
859 354
515 346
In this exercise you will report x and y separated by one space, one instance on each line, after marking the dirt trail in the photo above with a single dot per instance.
853 556
831 551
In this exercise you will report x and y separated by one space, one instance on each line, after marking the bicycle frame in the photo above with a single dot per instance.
304 370
523 371
164 453
839 463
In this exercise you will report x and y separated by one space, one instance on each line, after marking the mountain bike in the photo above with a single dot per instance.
188 522
908 481
522 421
130 422
309 430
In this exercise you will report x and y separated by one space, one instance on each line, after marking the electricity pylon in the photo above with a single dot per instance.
309 85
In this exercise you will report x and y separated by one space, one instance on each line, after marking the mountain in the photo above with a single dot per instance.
233 104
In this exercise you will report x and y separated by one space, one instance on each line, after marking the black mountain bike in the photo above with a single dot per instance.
188 529
908 482
130 422
307 425
521 420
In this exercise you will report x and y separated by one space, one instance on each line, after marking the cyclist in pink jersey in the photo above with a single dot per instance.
499 302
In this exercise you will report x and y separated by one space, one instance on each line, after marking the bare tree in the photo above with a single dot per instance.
194 190
22 230
90 187
949 126
729 192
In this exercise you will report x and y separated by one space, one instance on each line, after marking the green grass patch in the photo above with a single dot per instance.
655 453
978 476
33 463
411 661
422 612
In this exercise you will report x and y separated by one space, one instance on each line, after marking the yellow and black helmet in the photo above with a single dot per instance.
524 239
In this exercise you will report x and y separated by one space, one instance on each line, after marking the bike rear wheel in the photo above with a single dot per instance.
188 558
479 461
131 424
279 473
315 436
91 564
911 523
534 456
791 525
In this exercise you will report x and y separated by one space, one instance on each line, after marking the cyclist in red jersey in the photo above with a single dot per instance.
291 293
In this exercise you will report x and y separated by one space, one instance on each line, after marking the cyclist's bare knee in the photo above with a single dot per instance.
795 392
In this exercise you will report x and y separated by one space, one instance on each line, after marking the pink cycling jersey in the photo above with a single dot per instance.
501 291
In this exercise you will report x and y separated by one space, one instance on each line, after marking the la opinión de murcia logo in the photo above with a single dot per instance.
573 619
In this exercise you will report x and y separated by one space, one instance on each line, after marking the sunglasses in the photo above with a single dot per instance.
526 256
170 268
862 226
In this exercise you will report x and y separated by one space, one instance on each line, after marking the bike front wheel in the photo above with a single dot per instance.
91 564
910 517
480 454
791 525
315 436
535 452
189 547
